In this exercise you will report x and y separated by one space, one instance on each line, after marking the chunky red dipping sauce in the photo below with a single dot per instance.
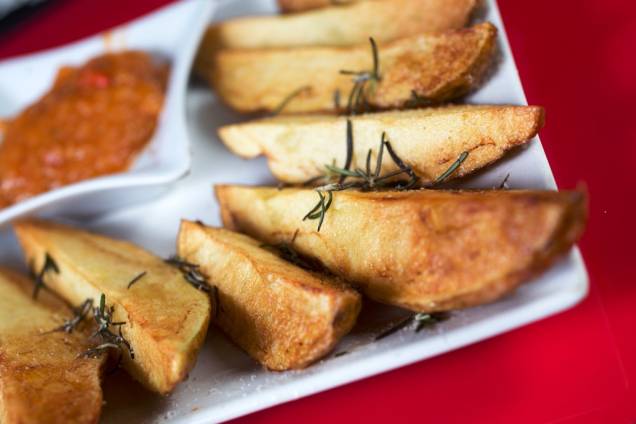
93 121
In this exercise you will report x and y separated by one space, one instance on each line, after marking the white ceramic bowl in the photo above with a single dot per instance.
172 33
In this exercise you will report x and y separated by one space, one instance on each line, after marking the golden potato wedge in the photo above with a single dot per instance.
428 140
341 25
294 6
43 377
436 67
424 250
166 318
282 315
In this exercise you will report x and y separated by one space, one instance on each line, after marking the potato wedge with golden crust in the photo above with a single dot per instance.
424 250
429 140
166 318
283 316
43 377
341 25
293 6
436 67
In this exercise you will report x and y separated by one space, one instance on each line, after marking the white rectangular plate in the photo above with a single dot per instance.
225 382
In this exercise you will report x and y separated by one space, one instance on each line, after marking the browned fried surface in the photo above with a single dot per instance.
42 377
436 67
429 140
340 25
424 250
166 318
282 315
290 6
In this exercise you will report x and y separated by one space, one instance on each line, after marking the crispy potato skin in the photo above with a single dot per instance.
439 67
341 25
429 140
166 317
283 316
425 250
42 377
294 6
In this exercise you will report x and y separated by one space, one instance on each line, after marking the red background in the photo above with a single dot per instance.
578 59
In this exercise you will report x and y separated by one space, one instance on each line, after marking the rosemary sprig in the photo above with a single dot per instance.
104 319
370 179
504 183
79 314
462 157
367 179
318 212
348 159
49 265
349 156
137 278
190 272
286 251
193 276
421 320
357 100
283 104
414 179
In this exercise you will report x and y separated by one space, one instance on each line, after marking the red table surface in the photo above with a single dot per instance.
578 59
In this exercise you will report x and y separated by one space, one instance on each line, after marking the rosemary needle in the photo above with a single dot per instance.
49 265
422 320
79 314
394 329
319 211
283 104
286 251
357 101
137 278
452 168
504 183
190 272
349 156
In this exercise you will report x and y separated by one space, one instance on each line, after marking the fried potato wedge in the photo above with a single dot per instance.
339 25
43 378
166 318
435 67
294 6
425 250
429 140
283 316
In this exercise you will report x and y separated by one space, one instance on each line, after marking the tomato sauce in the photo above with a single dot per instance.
93 121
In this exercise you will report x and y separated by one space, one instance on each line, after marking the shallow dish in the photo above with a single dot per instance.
166 158
226 383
